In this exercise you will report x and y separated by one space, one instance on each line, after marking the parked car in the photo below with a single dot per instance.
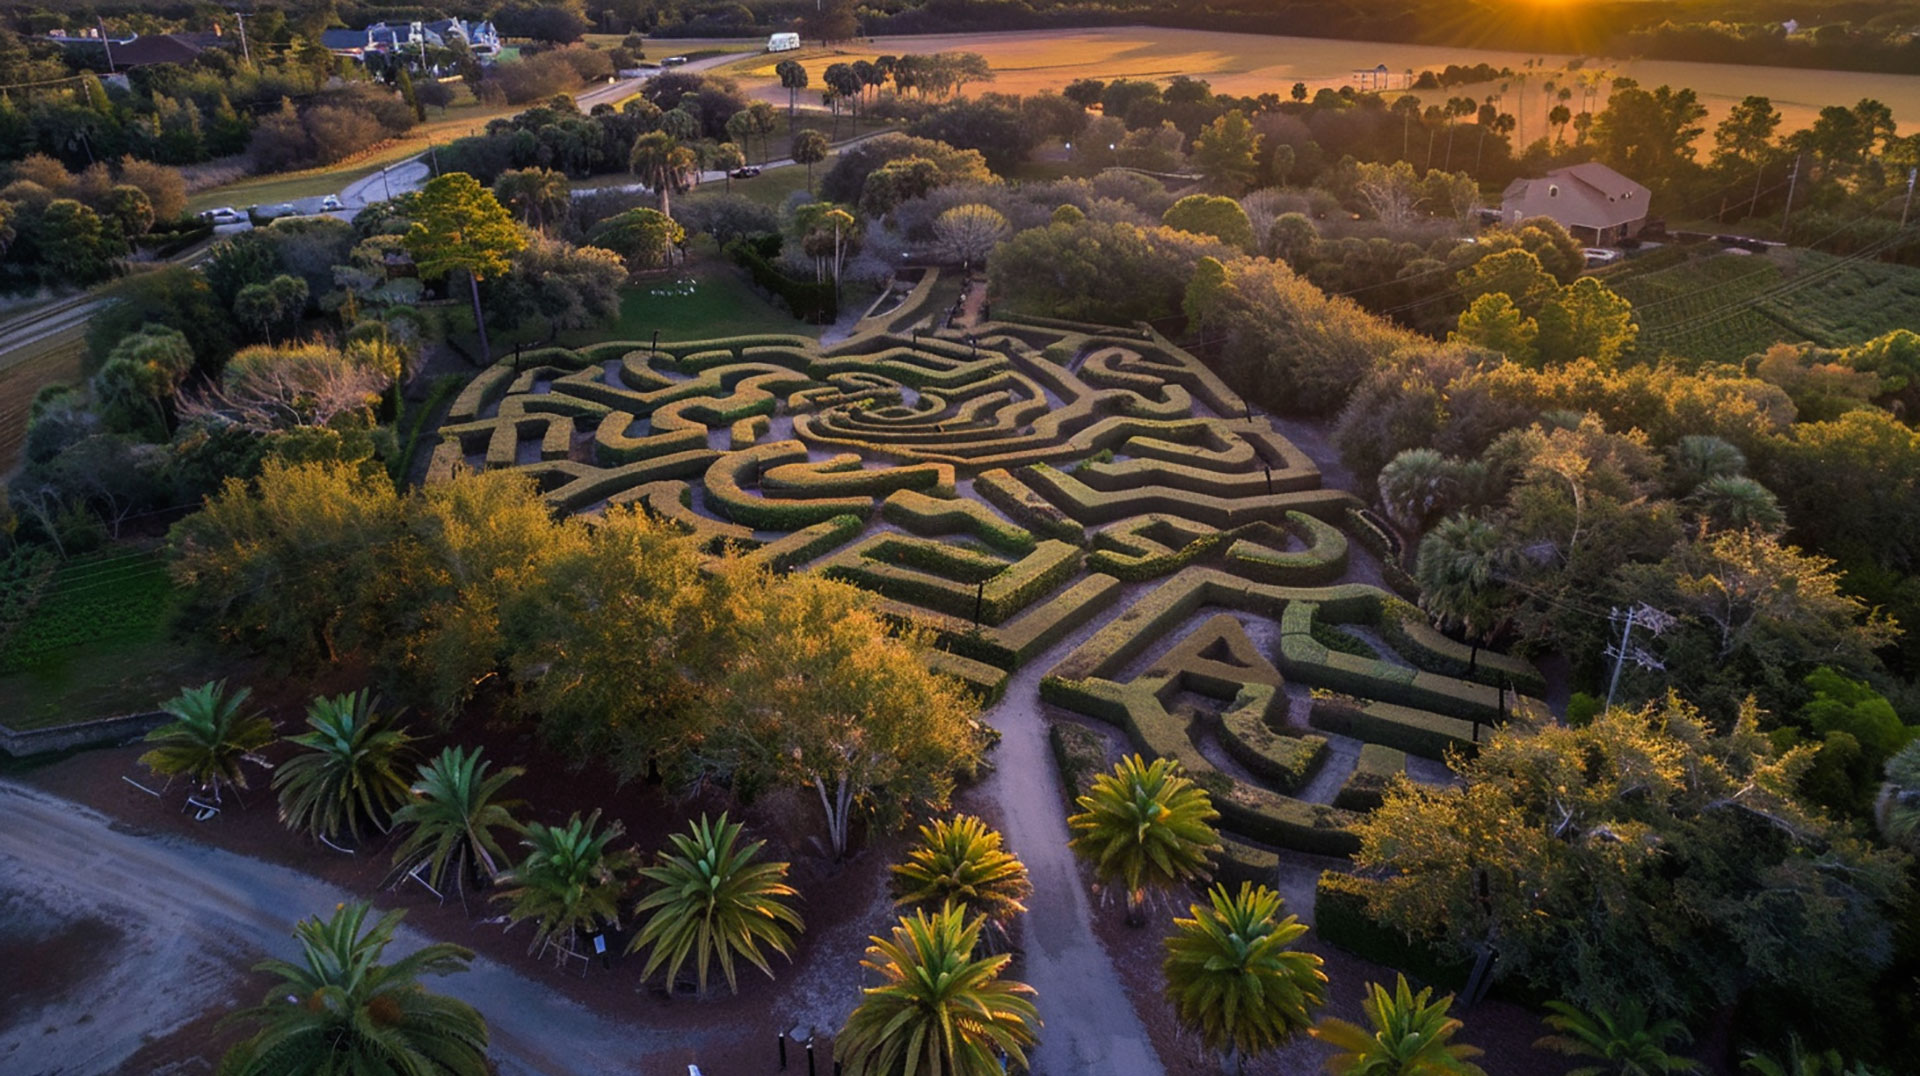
226 214
1599 256
330 203
673 61
746 173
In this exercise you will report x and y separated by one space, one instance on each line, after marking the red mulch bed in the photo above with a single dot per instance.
737 1032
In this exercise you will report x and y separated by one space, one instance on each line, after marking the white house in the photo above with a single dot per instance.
1598 205
481 37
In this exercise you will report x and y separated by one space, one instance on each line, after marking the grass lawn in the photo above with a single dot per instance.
702 300
95 644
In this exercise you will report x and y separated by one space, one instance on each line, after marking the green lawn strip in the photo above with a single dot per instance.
119 676
118 594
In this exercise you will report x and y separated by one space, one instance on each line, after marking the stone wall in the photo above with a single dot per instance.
106 730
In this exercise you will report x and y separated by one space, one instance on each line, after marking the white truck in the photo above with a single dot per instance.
783 42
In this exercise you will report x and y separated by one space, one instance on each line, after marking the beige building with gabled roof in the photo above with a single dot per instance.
1598 205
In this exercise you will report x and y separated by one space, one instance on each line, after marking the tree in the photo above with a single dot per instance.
844 84
1391 191
1649 134
1416 486
539 196
455 810
569 883
1227 152
726 157
810 148
249 563
1211 215
1493 322
938 1008
1746 136
663 164
130 210
312 385
1736 502
968 233
960 860
1407 1036
1299 91
559 287
75 245
644 238
458 224
714 902
1715 878
834 22
277 302
1514 272
210 735
1146 827
340 1010
827 233
138 382
1625 1041
793 78
1234 977
1085 92
349 773
1586 320
824 693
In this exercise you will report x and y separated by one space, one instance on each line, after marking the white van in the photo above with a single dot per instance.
783 42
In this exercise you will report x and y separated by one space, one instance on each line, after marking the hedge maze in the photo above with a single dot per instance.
1079 510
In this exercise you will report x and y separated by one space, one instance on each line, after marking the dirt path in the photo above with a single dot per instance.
1090 1022
184 919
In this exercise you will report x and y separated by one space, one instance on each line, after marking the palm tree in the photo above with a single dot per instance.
1459 566
1415 486
1699 457
349 773
1408 1037
1234 977
455 811
342 1011
961 860
1146 827
208 738
1897 809
539 195
662 163
714 902
1736 502
938 1010
569 883
1624 1041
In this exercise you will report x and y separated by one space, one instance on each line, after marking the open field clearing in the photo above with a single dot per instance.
56 357
1249 64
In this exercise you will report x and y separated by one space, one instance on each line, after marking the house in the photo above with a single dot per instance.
1596 204
138 50
416 37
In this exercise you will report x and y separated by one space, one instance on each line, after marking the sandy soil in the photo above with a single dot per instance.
1251 64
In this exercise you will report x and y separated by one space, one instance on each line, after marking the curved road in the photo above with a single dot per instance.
177 916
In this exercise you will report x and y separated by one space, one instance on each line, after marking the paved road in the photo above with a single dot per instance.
185 913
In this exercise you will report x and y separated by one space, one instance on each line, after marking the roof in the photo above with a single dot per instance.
1590 195
343 40
159 49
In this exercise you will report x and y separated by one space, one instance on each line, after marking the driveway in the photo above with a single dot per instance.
152 929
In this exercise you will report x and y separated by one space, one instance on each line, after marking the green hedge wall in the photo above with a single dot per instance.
1027 508
927 516
1372 776
792 550
1417 732
1340 915
1286 762
725 494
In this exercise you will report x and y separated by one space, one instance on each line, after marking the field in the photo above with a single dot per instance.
95 644
1723 307
688 303
1249 64
57 357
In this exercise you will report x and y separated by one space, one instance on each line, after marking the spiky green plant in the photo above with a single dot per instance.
1234 977
349 774
960 860
712 902
210 735
569 883
1407 1036
1625 1041
341 1011
938 1010
455 812
1802 1061
1145 826
1897 809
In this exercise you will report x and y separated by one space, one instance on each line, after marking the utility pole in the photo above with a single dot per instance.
1641 615
1793 180
246 53
1908 206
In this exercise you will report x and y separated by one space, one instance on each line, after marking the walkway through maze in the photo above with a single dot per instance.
1011 488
